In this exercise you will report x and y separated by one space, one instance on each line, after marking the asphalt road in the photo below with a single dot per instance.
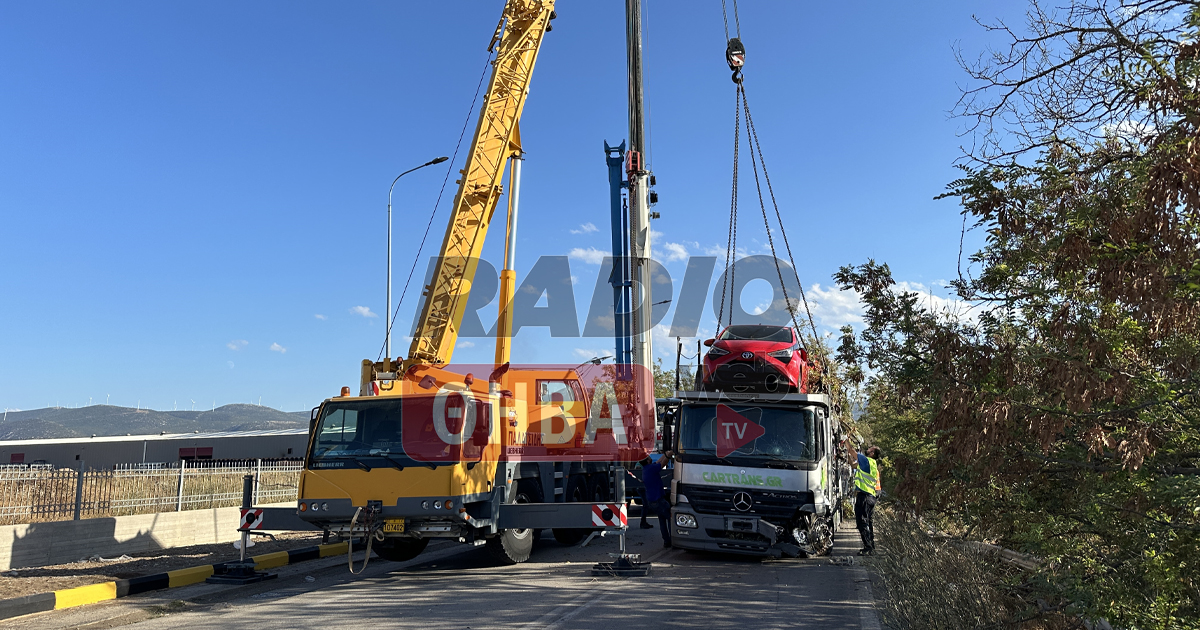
454 586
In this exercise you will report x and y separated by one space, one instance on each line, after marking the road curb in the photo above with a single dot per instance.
92 593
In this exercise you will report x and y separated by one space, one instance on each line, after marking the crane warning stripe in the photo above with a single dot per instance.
615 517
251 519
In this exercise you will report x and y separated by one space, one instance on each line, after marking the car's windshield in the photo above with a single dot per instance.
358 430
757 333
731 432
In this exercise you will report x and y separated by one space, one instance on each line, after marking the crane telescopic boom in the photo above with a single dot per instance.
518 37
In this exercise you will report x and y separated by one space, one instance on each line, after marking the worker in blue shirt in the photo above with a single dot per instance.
867 481
652 480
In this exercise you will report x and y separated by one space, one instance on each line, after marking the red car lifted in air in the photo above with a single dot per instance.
756 358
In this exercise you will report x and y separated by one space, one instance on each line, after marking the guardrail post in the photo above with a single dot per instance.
179 495
257 478
79 491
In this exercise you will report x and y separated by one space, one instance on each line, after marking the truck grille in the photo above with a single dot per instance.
776 504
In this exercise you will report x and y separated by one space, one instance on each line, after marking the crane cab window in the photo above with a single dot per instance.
558 392
339 427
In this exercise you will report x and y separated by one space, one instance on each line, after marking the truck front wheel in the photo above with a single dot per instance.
511 546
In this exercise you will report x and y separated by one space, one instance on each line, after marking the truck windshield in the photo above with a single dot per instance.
755 432
367 431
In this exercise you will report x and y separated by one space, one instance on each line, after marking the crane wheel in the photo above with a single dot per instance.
512 546
576 492
401 549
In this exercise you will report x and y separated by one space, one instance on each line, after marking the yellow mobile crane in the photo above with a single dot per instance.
425 450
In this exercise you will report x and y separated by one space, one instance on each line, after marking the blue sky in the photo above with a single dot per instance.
193 195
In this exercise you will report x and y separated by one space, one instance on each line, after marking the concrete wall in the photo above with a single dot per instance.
41 544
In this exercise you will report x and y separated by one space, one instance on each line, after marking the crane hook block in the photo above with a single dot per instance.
735 54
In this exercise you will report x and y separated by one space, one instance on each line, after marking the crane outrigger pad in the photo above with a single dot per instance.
625 566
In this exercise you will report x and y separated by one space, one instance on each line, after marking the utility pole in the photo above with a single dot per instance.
639 192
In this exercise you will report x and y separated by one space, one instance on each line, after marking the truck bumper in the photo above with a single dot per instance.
421 519
742 535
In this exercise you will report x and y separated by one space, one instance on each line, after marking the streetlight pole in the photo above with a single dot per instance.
387 343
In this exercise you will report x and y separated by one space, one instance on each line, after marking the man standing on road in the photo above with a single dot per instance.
642 497
866 480
652 480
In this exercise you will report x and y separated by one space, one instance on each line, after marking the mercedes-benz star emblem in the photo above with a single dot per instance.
747 355
742 501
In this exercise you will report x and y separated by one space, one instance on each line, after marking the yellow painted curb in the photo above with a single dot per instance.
191 575
80 595
271 560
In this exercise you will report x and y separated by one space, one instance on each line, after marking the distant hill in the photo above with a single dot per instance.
58 422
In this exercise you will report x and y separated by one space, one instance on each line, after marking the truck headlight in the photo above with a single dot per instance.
685 520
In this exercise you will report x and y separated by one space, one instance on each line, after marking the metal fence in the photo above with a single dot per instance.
30 494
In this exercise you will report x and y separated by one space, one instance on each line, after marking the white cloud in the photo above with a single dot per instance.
586 228
320 317
278 348
952 307
666 251
586 354
833 308
1131 130
591 255
364 311
673 252
466 344
237 344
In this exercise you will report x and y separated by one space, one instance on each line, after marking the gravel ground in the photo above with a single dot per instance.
20 582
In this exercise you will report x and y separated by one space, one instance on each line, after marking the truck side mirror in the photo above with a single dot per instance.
709 342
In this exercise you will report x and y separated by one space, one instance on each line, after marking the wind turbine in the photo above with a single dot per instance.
106 399
193 404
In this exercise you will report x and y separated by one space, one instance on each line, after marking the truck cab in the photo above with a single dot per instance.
755 475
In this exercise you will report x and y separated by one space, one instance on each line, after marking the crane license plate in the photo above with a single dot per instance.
393 526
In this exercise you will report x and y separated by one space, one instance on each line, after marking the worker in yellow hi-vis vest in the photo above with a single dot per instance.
867 481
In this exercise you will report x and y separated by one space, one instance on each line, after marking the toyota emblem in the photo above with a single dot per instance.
747 355
742 501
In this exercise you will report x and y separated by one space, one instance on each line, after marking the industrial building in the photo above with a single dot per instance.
107 451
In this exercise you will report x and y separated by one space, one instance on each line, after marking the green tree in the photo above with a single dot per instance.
664 380
1062 416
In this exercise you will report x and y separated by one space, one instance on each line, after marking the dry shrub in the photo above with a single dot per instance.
933 584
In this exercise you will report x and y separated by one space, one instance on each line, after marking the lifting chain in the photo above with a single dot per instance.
735 56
